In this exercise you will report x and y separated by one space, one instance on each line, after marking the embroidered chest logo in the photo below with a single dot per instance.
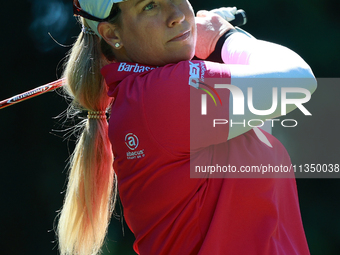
196 78
124 67
194 74
132 142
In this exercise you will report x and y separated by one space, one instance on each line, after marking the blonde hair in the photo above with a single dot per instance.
91 189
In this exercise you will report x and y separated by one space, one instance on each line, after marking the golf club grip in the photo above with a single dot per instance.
240 18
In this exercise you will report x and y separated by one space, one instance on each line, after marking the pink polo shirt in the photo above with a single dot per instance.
168 209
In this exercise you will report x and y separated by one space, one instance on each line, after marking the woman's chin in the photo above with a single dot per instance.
185 54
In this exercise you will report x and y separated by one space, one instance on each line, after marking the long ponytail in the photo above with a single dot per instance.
90 195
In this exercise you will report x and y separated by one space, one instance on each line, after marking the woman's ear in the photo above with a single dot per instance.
110 34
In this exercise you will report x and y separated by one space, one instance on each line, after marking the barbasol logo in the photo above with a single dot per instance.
124 67
131 141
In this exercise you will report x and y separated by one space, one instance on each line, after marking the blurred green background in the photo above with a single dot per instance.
35 151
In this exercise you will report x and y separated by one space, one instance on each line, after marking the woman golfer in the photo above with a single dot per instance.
134 59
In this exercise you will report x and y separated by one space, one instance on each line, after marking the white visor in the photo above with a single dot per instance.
98 8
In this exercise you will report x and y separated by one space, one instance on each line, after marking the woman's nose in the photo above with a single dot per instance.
176 15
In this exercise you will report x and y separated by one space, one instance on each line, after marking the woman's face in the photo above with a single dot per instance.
157 32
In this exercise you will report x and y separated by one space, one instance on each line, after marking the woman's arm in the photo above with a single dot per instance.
263 66
254 64
173 111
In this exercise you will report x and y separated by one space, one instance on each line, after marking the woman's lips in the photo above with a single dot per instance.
181 37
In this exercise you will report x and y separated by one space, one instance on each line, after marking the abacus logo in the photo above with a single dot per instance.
131 141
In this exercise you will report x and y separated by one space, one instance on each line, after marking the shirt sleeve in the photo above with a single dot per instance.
268 69
195 104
